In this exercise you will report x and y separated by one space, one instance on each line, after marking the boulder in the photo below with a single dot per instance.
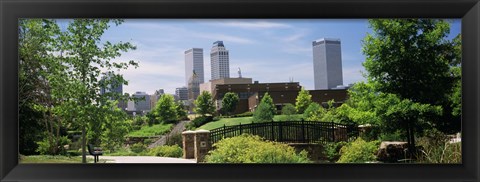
392 151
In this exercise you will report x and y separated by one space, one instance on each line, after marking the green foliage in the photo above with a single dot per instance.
166 151
265 110
204 104
148 131
289 109
436 148
413 59
199 121
166 110
174 139
138 147
229 102
252 149
181 111
314 112
359 151
114 128
332 150
52 146
293 117
245 114
304 99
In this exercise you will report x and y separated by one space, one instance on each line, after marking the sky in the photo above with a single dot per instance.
267 50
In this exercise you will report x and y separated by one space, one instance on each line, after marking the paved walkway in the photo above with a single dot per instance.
144 159
178 128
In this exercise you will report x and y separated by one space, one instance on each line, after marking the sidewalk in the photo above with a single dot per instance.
144 159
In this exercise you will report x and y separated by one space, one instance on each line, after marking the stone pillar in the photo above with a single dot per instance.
202 144
188 140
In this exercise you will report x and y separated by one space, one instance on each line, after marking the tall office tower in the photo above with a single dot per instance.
193 86
327 63
194 61
220 65
182 93
144 103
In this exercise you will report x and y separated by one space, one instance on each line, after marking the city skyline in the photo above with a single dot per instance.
265 50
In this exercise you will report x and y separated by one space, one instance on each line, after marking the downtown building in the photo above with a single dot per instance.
194 64
219 60
181 93
327 63
143 105
109 86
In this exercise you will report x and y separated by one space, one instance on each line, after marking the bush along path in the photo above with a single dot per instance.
178 128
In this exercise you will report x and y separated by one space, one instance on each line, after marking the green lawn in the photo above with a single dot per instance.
55 159
149 131
244 120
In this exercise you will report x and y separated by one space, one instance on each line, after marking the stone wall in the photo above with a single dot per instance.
196 144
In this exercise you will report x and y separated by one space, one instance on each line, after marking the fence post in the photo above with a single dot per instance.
280 132
240 128
224 127
273 137
333 131
303 131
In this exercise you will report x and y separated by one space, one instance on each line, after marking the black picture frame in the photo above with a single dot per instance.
11 11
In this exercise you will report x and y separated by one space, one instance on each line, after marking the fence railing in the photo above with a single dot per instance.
289 131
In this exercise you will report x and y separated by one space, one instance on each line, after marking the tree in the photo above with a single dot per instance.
180 111
204 104
412 59
85 57
165 111
36 44
265 111
303 101
114 128
289 109
229 102
314 112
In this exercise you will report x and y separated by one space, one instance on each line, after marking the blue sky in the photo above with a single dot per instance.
265 50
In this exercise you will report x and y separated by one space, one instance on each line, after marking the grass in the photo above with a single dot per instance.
245 120
55 159
150 131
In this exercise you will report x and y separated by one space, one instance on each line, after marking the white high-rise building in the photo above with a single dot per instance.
220 64
327 63
194 62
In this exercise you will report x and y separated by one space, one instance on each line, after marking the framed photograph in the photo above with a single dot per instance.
239 90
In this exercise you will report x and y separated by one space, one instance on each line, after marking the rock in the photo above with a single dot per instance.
392 151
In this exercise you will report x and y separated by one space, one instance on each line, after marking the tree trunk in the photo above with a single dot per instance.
84 142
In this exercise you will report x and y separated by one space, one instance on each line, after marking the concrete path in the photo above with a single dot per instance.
144 159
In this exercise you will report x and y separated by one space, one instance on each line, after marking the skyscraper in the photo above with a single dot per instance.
327 63
194 61
182 93
193 87
144 103
220 64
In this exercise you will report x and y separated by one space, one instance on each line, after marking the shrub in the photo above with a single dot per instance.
332 150
252 149
138 147
265 110
174 139
47 148
245 114
166 151
288 109
199 121
359 151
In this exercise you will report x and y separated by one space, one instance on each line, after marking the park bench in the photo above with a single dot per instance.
95 151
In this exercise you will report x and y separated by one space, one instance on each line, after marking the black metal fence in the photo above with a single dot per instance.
290 131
